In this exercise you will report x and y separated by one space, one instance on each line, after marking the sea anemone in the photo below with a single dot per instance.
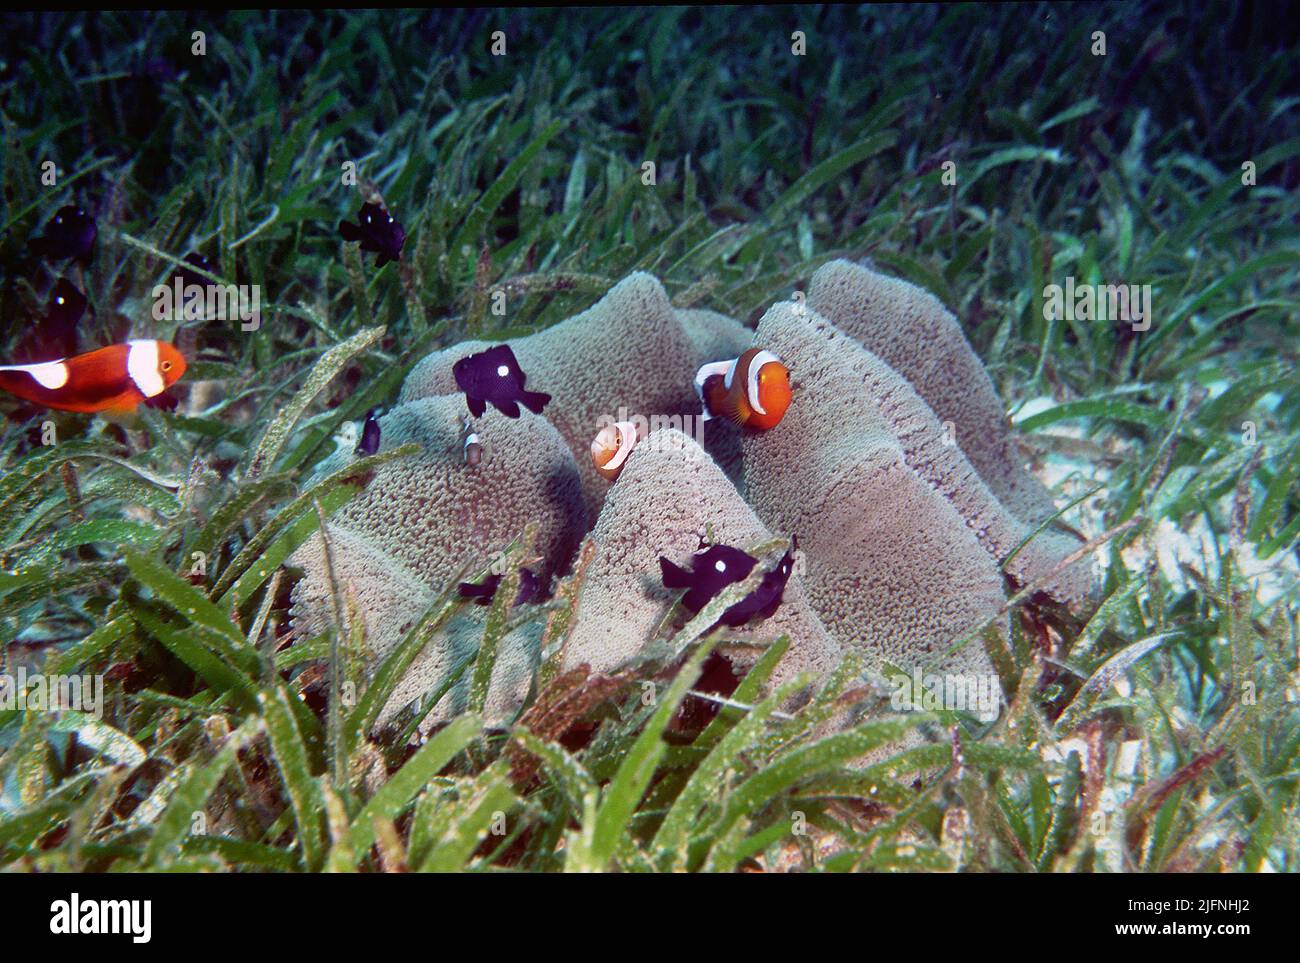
425 519
670 494
846 394
918 337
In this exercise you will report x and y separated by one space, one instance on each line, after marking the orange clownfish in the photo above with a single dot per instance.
752 390
115 379
611 446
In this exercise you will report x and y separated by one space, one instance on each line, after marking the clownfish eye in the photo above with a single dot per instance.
166 366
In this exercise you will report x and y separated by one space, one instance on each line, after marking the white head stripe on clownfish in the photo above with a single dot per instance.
142 366
626 442
48 374
751 382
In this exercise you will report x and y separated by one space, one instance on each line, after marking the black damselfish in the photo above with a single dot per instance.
70 233
378 231
494 375
711 571
764 600
530 588
189 277
369 443
55 335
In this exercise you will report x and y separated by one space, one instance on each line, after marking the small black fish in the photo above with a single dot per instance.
369 443
378 231
164 401
711 571
55 335
159 70
494 375
189 277
530 588
763 602
70 233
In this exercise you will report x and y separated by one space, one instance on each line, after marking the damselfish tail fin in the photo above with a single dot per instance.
674 576
534 401
482 593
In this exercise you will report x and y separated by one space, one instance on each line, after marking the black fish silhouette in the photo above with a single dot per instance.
711 571
69 233
763 602
378 231
159 70
494 375
189 277
369 443
55 334
164 401
192 308
530 587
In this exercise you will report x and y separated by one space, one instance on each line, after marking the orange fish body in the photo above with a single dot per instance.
753 390
115 379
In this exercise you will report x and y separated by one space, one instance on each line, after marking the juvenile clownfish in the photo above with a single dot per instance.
612 445
753 390
473 449
116 379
